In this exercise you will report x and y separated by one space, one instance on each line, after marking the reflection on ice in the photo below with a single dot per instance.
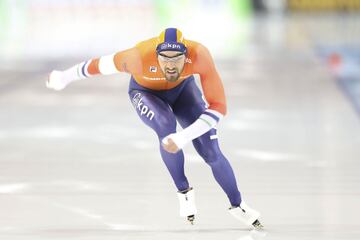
13 187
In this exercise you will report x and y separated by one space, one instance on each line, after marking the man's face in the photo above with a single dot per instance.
171 64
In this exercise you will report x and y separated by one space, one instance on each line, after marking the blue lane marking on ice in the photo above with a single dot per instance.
347 73
351 87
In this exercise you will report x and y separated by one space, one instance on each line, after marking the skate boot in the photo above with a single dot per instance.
187 204
246 215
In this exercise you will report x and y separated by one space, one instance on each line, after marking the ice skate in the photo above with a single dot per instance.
246 215
187 204
257 224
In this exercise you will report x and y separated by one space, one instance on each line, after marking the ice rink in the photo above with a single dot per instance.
79 164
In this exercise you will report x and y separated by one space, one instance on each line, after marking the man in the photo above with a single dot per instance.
163 91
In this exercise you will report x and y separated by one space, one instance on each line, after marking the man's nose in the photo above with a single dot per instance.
170 65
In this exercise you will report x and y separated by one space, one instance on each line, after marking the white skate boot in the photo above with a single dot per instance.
246 215
187 204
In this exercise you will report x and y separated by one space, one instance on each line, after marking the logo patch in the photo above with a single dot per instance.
170 46
153 69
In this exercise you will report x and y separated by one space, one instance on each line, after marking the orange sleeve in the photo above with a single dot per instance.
210 80
124 61
128 61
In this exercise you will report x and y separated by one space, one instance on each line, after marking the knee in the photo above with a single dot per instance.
164 120
165 125
208 152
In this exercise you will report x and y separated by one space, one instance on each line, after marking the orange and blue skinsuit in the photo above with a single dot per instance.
141 62
160 104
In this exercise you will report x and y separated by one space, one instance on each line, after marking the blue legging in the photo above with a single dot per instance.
184 103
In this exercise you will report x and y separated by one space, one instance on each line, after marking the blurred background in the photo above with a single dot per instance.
79 164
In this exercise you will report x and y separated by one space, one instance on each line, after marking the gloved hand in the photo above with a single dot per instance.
56 81
174 142
169 145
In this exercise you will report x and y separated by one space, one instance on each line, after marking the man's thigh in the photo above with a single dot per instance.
154 112
189 105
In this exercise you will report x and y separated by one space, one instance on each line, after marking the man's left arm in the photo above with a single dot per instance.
214 93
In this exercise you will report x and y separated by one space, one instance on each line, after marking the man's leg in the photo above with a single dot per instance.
188 107
157 114
208 148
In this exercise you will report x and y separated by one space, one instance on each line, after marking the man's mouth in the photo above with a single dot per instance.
171 71
172 75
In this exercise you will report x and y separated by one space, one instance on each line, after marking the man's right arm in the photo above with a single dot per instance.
124 61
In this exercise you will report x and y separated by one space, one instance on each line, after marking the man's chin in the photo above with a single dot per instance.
172 78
